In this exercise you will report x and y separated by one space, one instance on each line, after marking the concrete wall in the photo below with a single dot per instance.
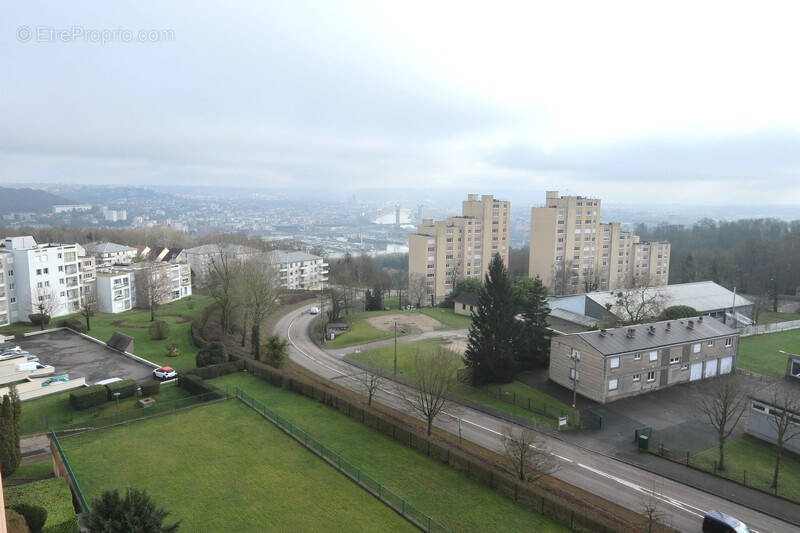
759 426
33 389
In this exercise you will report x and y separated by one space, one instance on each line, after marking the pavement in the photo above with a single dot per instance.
627 480
403 339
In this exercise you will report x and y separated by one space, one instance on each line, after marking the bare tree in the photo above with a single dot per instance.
371 381
436 376
222 283
723 405
591 280
155 287
337 301
261 289
651 509
88 308
417 288
44 303
527 454
784 415
638 303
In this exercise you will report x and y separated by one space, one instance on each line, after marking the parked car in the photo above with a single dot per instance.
55 379
313 311
717 522
11 354
165 372
32 358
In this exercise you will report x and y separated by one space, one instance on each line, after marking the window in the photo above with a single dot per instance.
636 378
612 384
576 354
10 272
574 374
710 343
729 342
651 376
696 347
759 407
46 270
614 362
654 355
38 271
674 360
61 268
637 357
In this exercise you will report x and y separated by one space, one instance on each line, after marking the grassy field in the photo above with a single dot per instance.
759 353
361 332
768 317
136 322
758 459
30 471
383 359
458 502
52 494
223 467
54 411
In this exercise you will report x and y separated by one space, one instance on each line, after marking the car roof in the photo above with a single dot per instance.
167 368
724 518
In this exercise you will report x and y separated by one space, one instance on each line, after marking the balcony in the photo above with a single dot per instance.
70 270
72 282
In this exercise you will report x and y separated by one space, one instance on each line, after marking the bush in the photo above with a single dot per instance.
151 388
39 319
73 324
86 397
215 371
15 522
159 330
195 385
678 311
173 350
54 495
126 388
35 516
133 512
211 354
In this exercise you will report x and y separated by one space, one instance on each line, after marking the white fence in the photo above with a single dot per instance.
770 328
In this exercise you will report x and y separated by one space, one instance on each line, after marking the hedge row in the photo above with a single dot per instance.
151 388
215 371
126 388
86 397
195 385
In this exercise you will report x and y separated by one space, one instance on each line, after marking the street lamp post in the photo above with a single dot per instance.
395 348
574 380
116 397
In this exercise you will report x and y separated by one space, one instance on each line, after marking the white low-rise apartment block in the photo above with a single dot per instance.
110 253
200 258
169 281
116 290
299 270
47 272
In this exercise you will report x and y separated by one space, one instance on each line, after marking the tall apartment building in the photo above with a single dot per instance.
299 270
445 251
48 271
5 305
573 251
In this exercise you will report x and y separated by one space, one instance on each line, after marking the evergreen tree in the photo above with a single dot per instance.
9 438
490 352
136 513
533 342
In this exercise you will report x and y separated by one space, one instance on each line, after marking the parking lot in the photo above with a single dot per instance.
71 354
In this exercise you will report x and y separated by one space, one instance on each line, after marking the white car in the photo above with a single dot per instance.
313 311
164 373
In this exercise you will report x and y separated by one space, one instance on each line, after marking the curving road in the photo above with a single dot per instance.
614 480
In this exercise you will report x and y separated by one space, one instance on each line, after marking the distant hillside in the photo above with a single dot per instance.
28 200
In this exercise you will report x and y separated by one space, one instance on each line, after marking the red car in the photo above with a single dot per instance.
164 373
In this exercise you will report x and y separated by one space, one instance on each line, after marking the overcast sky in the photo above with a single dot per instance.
693 102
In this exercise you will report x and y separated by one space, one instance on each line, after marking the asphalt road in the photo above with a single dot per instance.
614 480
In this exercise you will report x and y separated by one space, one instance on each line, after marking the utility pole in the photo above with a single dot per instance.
574 379
395 348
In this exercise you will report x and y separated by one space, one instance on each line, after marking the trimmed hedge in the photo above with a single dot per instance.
195 385
151 388
37 319
54 495
126 388
86 397
215 371
72 323
35 515
159 330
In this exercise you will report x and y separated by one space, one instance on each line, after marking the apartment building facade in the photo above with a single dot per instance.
116 290
299 270
573 251
200 257
45 272
111 253
5 297
608 365
444 251
167 281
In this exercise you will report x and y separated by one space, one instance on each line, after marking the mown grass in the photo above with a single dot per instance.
757 458
759 353
510 398
457 501
768 317
223 467
52 494
54 411
31 471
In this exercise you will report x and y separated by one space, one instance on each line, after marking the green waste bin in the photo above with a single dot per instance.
644 442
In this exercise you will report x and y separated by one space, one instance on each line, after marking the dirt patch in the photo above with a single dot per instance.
410 323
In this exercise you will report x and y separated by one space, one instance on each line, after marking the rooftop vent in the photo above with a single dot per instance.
651 330
669 325
690 324
602 333
700 319
631 333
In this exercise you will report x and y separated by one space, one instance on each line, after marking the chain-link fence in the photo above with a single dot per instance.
406 509
73 481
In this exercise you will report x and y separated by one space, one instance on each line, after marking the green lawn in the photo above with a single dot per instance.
136 322
31 471
361 332
223 467
513 394
54 411
458 502
768 317
52 494
758 459
759 353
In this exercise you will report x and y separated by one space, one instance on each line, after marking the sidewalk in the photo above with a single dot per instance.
435 334
739 494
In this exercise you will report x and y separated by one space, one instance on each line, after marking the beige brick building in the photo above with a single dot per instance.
445 251
627 361
573 251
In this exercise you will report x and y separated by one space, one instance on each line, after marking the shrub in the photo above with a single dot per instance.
215 371
159 330
35 516
195 385
678 311
126 388
73 324
39 319
211 354
151 388
275 350
135 512
15 522
173 350
54 495
86 397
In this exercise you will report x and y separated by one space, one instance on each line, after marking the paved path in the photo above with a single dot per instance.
618 481
435 334
34 445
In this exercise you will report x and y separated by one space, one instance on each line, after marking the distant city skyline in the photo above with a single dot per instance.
513 99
